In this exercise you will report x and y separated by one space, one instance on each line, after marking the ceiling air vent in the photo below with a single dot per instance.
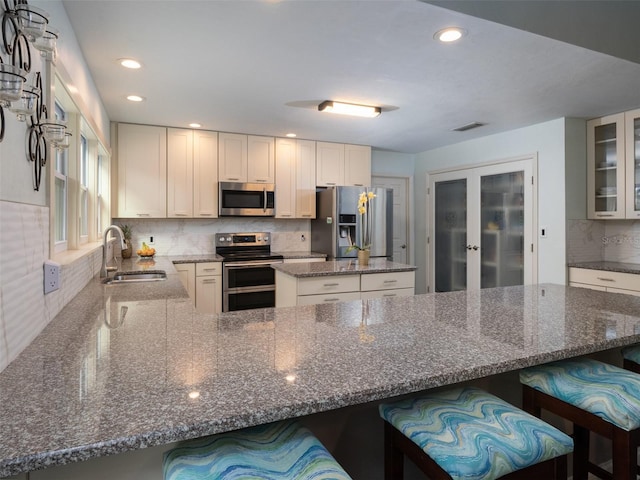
468 126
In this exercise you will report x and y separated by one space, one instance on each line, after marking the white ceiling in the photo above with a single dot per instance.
262 67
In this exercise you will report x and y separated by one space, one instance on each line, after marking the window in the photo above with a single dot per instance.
84 189
60 174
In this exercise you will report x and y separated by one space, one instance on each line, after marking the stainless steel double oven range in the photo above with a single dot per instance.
248 281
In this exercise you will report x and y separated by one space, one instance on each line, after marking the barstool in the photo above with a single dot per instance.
277 451
631 358
596 397
466 433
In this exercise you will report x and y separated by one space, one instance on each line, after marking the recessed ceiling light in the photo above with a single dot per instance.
349 109
135 98
195 125
291 135
450 34
129 63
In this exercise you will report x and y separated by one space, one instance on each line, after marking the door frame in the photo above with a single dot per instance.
430 253
410 212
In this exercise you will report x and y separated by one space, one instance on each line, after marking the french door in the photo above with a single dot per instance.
481 227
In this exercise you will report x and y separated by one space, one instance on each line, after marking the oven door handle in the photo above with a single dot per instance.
264 199
250 264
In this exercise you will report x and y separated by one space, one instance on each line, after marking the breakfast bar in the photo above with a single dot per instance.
125 367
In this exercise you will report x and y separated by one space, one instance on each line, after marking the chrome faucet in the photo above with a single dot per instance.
118 230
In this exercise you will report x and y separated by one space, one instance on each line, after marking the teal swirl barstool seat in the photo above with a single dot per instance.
468 434
631 358
277 451
596 397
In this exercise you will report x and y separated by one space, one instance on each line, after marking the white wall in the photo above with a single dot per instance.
548 141
24 213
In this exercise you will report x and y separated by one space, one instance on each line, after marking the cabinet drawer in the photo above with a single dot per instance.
328 298
387 281
398 292
627 281
332 284
208 268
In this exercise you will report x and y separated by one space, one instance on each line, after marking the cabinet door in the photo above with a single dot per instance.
179 173
305 191
205 174
329 164
632 158
232 157
606 167
142 171
187 274
209 294
357 165
261 159
286 178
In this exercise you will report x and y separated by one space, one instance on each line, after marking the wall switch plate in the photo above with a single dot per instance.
51 276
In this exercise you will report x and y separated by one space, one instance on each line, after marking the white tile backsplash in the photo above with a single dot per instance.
599 240
195 236
24 308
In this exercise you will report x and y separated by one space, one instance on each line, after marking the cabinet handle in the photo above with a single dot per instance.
331 183
260 180
606 279
307 215
180 214
209 280
330 284
604 214
143 214
285 215
331 299
233 179
209 269
205 214
389 295
390 281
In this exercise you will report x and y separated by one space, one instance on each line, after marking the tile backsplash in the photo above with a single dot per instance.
597 240
194 236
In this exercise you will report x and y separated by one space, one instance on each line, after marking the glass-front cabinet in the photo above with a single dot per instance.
613 162
632 147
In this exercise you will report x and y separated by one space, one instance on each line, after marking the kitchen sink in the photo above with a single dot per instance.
137 276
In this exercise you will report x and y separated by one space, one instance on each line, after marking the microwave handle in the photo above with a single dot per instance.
264 199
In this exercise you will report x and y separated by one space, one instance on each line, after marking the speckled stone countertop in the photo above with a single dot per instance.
341 267
114 370
609 266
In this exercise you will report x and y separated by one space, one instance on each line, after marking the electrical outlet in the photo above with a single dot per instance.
51 276
302 238
151 242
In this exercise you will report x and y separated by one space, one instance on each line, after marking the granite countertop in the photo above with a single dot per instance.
115 369
609 266
341 267
291 255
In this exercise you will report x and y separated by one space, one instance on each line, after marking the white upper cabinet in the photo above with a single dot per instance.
295 178
613 162
232 159
632 146
205 174
142 171
261 159
192 182
246 158
339 164
329 164
357 165
179 173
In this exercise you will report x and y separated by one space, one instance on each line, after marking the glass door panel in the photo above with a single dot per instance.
502 201
606 167
633 157
450 235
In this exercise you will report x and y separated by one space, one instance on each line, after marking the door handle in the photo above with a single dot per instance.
474 247
403 246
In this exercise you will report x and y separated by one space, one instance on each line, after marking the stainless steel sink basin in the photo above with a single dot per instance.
138 276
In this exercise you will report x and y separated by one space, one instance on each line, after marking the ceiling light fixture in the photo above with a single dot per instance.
130 63
291 135
195 125
349 109
135 98
450 34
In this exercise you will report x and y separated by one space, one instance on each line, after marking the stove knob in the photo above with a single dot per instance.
266 239
228 239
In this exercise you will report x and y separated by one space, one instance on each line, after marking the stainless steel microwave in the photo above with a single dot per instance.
246 199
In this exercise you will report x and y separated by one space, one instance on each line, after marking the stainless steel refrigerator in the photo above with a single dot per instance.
338 223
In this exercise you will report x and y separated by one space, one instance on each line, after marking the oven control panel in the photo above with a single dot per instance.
243 239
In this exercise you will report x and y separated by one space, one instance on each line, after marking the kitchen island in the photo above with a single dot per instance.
341 280
124 367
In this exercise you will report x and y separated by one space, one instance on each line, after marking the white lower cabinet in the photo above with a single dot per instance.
203 282
292 291
616 282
